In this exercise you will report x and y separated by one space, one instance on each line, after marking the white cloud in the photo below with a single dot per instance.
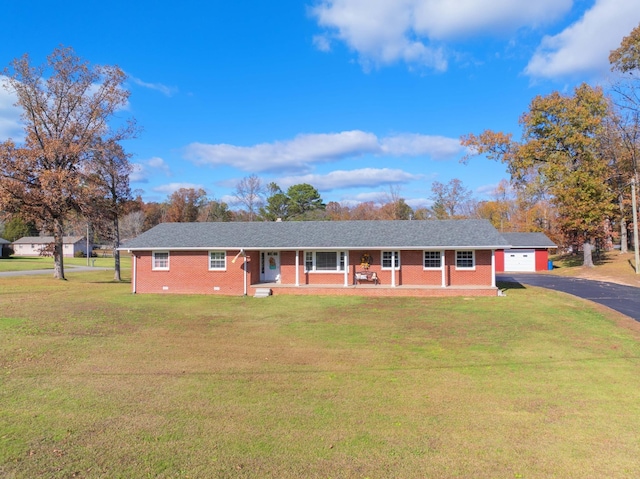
322 43
387 31
584 46
300 153
364 177
416 203
412 144
289 155
173 187
142 170
487 190
446 19
165 90
10 125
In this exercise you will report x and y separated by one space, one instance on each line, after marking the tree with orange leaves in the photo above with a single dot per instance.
67 106
560 154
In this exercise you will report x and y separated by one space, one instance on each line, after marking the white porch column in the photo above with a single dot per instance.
297 267
444 269
346 268
393 269
493 268
135 271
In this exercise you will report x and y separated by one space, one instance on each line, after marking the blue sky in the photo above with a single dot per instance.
352 96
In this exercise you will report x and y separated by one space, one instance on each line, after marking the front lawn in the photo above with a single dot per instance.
97 382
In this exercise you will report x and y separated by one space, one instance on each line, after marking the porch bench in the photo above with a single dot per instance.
366 276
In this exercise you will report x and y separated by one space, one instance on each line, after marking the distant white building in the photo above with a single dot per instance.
34 245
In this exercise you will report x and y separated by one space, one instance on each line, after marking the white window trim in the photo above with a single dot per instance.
473 259
389 268
153 261
224 256
339 255
432 268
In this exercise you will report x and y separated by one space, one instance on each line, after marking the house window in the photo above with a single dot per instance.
465 260
324 260
160 260
432 259
217 260
388 257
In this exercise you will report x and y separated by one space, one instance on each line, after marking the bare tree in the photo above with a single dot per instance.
450 200
250 192
110 189
132 224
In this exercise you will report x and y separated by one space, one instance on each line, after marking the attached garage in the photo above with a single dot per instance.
522 260
529 252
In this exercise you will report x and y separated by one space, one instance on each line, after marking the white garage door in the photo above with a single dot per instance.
519 260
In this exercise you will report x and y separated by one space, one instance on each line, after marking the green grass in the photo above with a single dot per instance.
96 382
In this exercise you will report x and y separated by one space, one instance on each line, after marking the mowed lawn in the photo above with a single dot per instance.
97 382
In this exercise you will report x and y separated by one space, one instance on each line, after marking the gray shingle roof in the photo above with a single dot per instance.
4 241
476 234
47 239
529 240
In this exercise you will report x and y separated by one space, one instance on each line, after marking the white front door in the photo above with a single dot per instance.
271 266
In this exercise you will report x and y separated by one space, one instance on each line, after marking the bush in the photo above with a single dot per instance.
6 252
79 254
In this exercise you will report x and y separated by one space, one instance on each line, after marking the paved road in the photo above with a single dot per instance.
624 299
67 269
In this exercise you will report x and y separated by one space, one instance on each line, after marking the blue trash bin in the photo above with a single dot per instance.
550 265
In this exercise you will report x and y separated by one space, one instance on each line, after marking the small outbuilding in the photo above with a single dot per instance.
35 245
529 252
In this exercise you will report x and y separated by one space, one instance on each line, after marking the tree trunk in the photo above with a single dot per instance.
116 253
58 249
624 246
587 250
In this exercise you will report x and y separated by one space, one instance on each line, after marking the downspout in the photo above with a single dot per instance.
297 267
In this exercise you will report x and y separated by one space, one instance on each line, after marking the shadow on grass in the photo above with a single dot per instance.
510 285
577 260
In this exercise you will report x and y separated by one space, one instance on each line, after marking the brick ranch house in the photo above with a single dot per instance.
374 258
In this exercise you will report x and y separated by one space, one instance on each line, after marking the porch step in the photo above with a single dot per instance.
262 293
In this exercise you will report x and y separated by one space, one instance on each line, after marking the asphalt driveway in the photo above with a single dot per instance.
624 299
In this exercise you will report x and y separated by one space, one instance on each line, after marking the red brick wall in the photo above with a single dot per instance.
479 276
189 272
377 291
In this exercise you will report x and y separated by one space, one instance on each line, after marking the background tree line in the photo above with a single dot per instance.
571 169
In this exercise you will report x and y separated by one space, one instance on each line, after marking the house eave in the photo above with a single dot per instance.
315 248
